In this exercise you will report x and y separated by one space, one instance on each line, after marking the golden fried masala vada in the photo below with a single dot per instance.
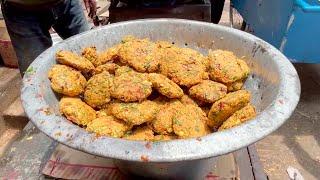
225 67
135 113
141 54
184 66
208 91
165 86
131 86
222 109
143 133
76 110
66 80
246 113
73 60
108 126
98 90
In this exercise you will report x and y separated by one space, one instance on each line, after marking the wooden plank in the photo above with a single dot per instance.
242 159
257 167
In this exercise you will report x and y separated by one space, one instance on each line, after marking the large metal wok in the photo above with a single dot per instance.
274 84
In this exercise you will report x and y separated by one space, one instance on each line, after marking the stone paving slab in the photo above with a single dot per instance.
27 155
14 120
10 83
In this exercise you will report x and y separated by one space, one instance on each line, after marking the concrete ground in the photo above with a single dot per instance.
296 144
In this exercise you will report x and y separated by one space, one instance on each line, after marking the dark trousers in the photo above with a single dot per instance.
29 29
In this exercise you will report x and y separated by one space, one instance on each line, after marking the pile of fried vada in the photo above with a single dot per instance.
152 91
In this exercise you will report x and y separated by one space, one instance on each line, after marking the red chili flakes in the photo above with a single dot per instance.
148 145
221 105
281 101
218 66
223 89
198 139
144 158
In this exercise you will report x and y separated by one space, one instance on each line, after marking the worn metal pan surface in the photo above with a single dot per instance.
274 85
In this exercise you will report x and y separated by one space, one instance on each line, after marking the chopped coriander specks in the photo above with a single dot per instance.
176 121
30 70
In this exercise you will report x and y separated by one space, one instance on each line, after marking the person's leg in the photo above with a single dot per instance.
29 33
69 19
